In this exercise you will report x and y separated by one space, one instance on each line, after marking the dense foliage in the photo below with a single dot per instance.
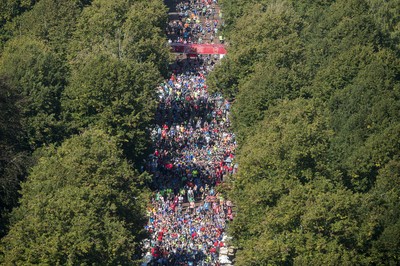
67 67
80 205
38 76
316 86
13 157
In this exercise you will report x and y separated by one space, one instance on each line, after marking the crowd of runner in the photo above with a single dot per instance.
198 22
194 152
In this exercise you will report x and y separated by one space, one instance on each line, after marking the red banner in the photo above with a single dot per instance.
198 48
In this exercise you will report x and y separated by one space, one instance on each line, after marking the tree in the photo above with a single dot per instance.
127 29
9 9
38 75
115 94
386 15
143 34
81 204
99 29
285 153
363 115
384 212
264 60
51 21
13 155
316 89
116 55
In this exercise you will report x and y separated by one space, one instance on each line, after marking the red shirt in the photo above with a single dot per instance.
155 252
160 236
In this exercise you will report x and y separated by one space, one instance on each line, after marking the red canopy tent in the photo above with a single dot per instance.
198 48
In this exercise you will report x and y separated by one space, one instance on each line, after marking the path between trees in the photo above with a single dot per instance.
193 153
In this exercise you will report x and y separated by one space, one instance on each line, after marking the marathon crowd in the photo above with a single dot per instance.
194 151
198 22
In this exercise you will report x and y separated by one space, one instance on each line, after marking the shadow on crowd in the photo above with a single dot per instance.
193 152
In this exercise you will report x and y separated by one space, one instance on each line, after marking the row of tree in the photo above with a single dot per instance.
77 83
316 86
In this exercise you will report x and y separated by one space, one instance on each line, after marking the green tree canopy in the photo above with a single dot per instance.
127 29
9 9
38 76
50 21
316 110
115 94
13 158
80 205
143 34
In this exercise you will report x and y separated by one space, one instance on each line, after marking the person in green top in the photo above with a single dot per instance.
190 195
158 194
169 192
182 191
162 192
195 173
